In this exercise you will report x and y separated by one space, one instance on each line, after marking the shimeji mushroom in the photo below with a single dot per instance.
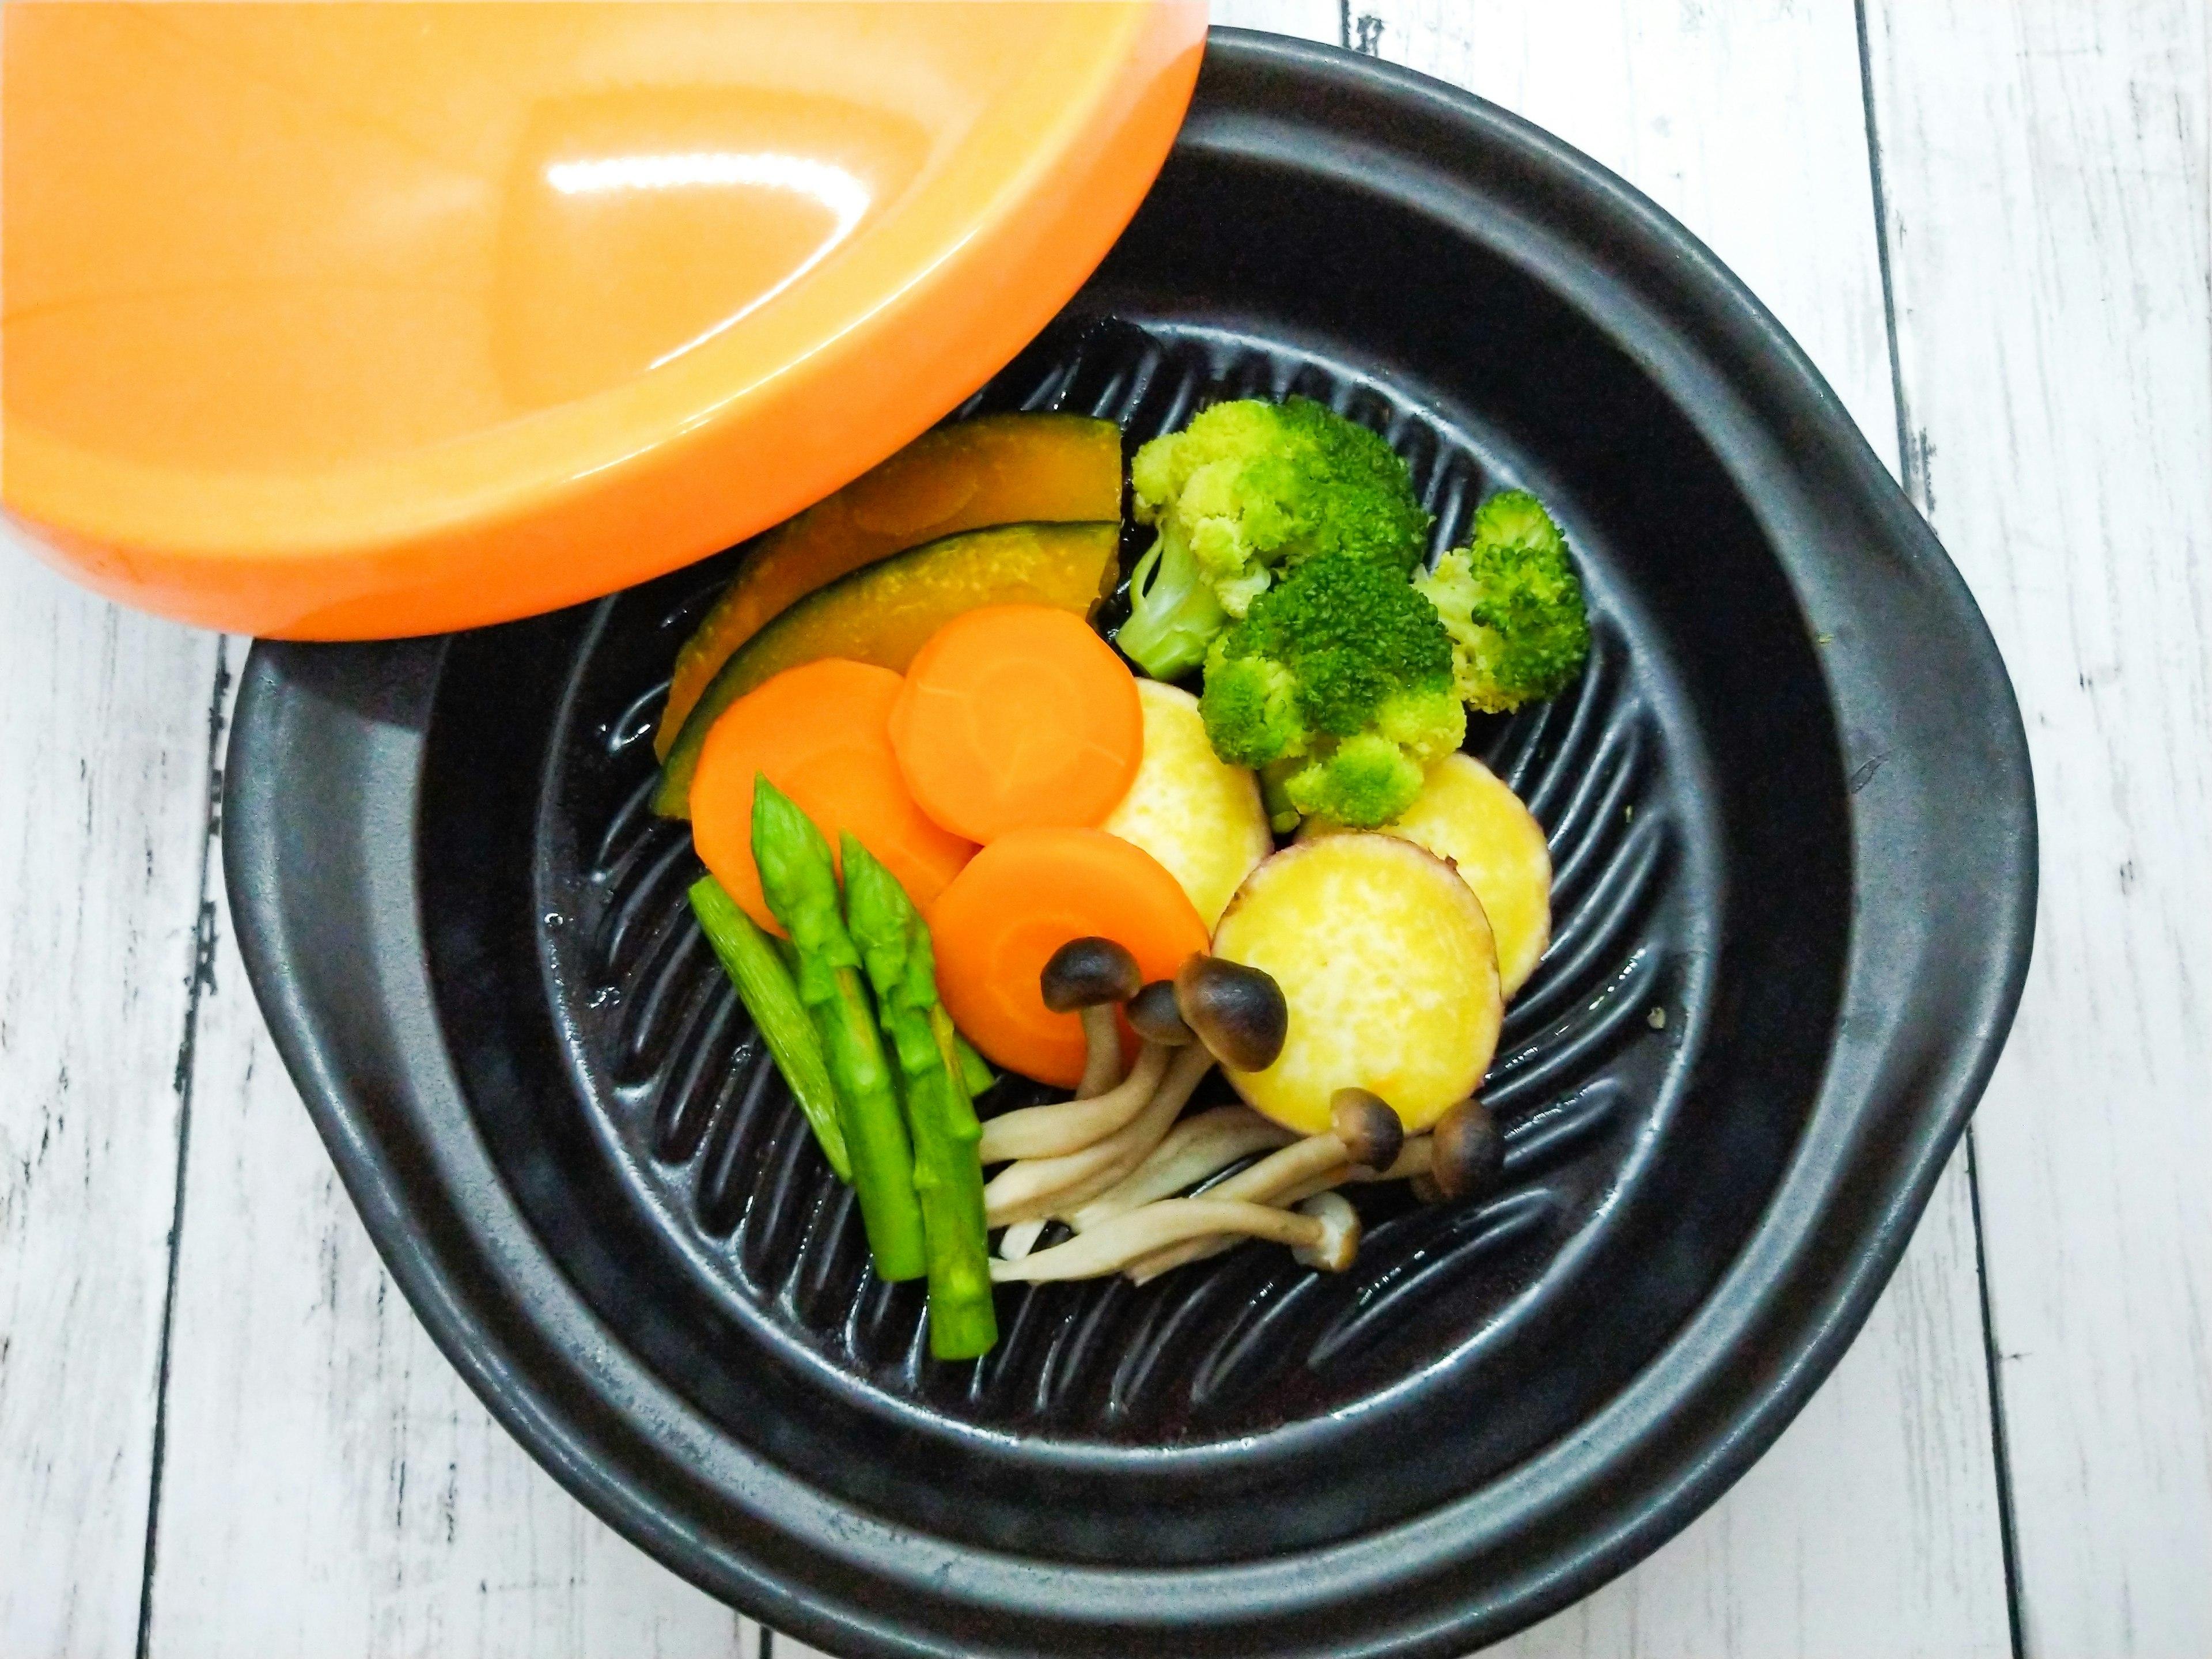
1069 1125
1196 1148
1237 1013
1470 1153
1092 976
1324 1233
1364 1133
1039 1187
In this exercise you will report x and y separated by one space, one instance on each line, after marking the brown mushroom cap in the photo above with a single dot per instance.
1155 1018
1085 973
1239 1013
1469 1152
1373 1135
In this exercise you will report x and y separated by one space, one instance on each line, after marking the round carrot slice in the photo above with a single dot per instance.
1020 899
821 733
1015 716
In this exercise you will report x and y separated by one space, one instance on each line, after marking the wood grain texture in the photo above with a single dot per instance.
2046 179
331 1485
103 775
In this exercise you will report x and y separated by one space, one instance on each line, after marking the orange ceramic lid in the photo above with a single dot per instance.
354 319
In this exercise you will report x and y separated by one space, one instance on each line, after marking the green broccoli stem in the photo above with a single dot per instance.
801 886
1173 612
765 986
894 945
1283 815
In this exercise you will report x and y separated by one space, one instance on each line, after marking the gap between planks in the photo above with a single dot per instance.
1913 463
202 978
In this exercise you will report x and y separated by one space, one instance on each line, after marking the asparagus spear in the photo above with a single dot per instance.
764 985
975 1071
894 943
801 887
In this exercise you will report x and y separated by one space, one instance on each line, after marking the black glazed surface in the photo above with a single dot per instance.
473 952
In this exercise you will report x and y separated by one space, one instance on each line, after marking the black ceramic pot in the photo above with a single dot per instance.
1791 813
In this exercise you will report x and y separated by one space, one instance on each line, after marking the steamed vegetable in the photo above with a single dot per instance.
822 734
895 947
1017 902
975 1071
993 470
1513 605
1339 681
801 885
885 612
1015 716
1247 489
765 986
1385 960
1323 1233
1196 813
1091 978
1467 815
1214 1010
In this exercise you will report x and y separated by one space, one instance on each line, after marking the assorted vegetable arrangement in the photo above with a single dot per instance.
909 756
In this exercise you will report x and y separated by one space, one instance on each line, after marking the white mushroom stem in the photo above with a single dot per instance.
1414 1159
1277 1173
1101 1059
1322 1240
1069 1125
1195 1149
1411 1163
1289 1181
1018 1240
1339 1243
1052 1186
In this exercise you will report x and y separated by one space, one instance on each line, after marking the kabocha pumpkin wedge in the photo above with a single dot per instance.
993 470
885 612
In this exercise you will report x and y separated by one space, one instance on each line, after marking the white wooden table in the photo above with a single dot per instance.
221 1431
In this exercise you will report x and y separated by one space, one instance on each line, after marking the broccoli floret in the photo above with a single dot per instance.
1513 605
1247 489
1338 684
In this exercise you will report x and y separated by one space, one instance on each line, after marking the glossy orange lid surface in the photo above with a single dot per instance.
358 319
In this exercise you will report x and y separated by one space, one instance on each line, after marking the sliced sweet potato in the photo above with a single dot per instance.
1188 808
1385 960
1466 814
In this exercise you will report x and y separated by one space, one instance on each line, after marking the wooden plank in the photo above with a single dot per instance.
331 1485
2045 175
103 751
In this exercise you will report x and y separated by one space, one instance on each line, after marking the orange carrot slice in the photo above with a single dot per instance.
822 734
1020 899
1016 716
